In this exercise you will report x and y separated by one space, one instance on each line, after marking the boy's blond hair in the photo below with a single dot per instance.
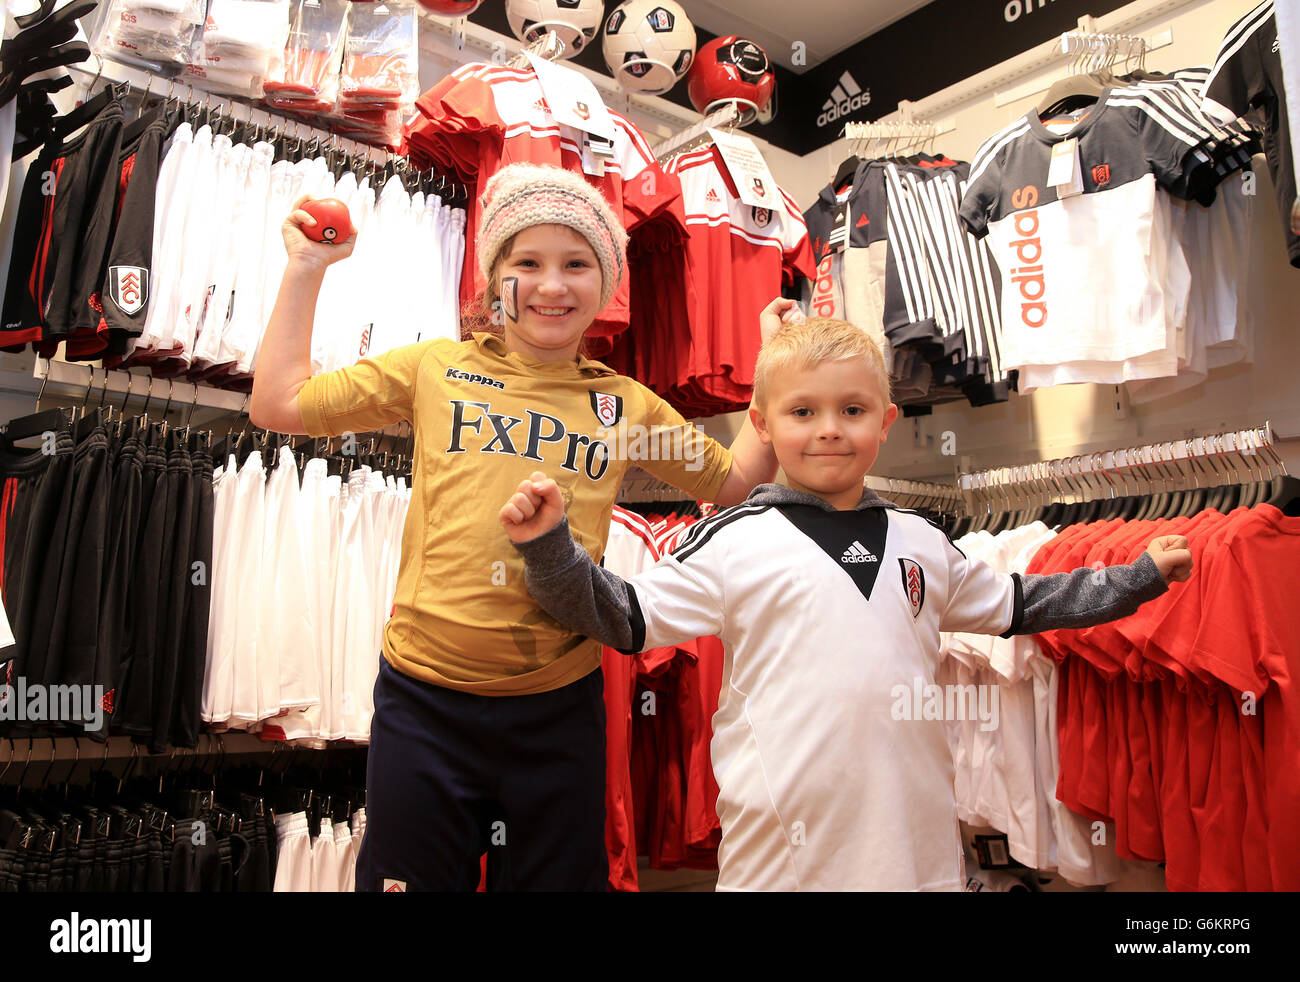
799 347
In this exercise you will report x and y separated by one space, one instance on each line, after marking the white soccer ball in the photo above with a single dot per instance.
575 21
648 45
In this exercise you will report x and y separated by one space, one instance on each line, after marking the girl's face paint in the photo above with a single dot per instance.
550 292
510 297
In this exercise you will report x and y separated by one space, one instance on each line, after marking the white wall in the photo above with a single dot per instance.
1066 420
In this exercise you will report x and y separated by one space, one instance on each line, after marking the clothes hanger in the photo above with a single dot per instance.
1078 89
36 423
844 173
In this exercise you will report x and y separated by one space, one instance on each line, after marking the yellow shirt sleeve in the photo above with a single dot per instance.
369 395
701 468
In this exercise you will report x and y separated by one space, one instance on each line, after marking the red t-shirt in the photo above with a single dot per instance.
482 117
1252 642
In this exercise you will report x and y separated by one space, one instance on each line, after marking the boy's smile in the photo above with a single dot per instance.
826 425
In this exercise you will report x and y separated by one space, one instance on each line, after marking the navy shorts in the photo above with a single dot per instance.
451 775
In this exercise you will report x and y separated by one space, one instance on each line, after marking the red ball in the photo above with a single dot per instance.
732 69
450 8
333 223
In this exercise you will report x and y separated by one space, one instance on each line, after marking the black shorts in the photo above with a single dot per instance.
450 775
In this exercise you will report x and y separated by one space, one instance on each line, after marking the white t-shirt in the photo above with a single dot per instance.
1093 284
829 776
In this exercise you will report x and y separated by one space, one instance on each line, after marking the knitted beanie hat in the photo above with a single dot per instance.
520 196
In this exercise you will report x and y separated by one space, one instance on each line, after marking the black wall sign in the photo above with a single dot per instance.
928 50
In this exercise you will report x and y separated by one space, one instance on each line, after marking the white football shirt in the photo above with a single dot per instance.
827 778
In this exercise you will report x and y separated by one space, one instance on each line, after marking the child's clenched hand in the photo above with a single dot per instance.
534 509
1172 557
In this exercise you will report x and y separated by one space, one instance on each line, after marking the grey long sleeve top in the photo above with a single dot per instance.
885 542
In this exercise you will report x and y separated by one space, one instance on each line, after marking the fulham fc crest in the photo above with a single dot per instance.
608 408
129 287
913 585
762 216
1101 174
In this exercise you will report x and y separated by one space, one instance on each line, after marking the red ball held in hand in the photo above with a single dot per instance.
333 223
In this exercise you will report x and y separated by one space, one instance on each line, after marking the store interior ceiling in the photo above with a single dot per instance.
827 27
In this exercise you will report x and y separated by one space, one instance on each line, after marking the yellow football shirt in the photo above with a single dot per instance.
484 419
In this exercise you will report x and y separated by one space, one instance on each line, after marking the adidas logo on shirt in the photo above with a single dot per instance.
541 105
858 553
713 197
846 97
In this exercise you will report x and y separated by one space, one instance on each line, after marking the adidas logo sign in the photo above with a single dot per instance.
541 105
846 97
712 197
857 553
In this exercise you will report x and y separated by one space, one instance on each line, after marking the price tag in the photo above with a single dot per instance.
572 99
1065 172
749 170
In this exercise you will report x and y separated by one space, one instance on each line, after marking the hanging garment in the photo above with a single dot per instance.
1248 79
482 117
1120 231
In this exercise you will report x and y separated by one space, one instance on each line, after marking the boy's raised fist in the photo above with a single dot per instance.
534 509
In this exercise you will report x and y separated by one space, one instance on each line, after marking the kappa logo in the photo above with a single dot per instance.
712 197
846 97
913 585
1101 174
608 408
128 286
858 553
458 375
394 886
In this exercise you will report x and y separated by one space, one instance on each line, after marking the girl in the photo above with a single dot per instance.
488 725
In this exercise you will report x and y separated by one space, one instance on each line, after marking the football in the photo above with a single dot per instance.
575 21
648 45
450 8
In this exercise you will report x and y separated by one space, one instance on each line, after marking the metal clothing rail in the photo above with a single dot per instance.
914 494
900 136
1232 457
1094 52
548 47
52 377
41 750
697 136
158 85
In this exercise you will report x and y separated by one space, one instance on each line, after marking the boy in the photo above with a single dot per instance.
826 598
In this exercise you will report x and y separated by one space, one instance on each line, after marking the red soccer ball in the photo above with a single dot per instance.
333 223
732 69
450 8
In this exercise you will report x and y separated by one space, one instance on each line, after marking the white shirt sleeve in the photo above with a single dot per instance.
680 599
980 600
